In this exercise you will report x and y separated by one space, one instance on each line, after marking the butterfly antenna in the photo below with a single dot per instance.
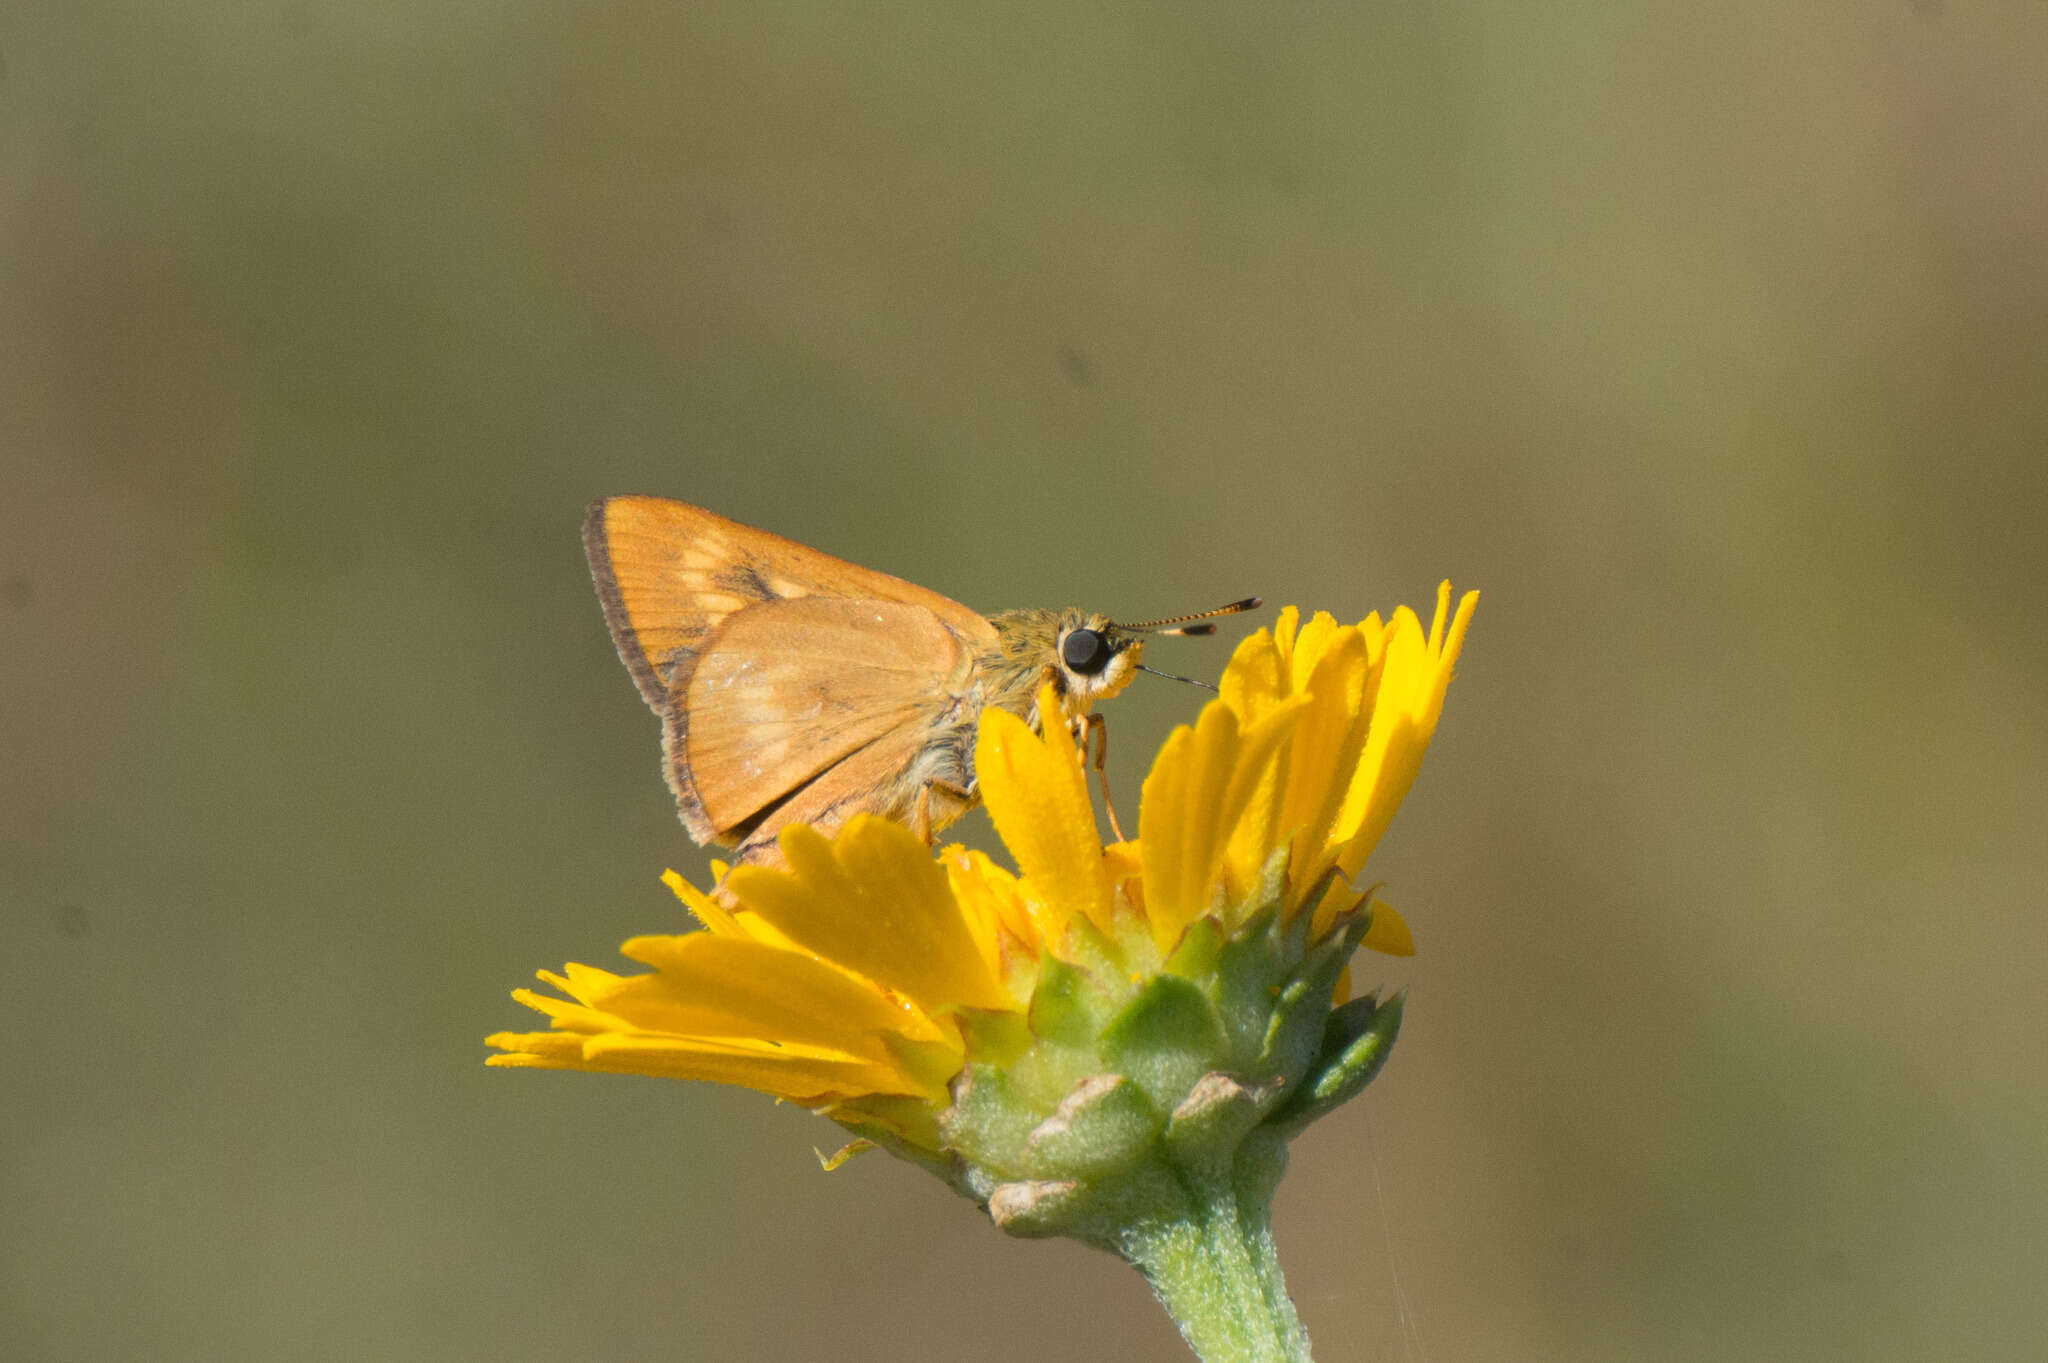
1171 677
1160 626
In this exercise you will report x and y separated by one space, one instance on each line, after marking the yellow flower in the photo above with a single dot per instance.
870 977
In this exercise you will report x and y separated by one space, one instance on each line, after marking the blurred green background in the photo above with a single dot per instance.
1710 341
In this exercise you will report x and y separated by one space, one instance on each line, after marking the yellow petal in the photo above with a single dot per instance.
708 911
1037 797
1255 685
535 1050
710 986
1206 818
1318 636
1160 801
801 1078
1258 743
990 915
1324 749
984 888
1413 678
1200 787
1285 627
828 1032
1170 792
1388 934
566 1015
1123 861
877 904
1255 679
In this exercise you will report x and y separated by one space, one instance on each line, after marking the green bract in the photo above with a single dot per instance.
1126 1086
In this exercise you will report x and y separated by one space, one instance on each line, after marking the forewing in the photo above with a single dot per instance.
670 573
786 690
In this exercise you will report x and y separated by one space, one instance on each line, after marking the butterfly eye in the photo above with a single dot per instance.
1085 651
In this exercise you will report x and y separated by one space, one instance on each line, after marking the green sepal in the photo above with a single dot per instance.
1215 1116
988 1122
993 1036
1103 1212
1194 956
1084 945
905 1127
1336 946
1035 1209
1250 971
1347 1022
1105 1124
1166 1038
1294 932
928 1062
1065 1008
1356 1042
1296 1030
889 1119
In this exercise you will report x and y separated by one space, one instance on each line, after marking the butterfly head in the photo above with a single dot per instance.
1088 656
1095 658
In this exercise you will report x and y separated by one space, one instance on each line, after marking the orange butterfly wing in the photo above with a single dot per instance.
788 688
782 674
870 778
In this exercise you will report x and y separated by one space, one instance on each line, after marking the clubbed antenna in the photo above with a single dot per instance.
1185 628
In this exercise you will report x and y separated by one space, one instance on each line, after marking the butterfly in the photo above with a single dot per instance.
795 687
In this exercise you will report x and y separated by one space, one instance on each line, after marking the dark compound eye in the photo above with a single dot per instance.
1085 651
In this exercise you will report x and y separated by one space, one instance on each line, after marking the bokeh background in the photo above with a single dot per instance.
1709 340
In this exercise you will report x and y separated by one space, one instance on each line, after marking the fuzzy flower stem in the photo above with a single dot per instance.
1215 1270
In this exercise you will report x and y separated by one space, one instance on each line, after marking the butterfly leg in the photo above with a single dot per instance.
1098 729
960 794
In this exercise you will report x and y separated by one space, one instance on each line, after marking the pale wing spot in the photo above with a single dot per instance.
718 601
766 757
782 586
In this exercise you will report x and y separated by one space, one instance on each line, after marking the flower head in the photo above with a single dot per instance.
1071 1019
1113 1043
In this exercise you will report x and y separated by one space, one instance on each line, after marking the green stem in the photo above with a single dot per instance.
1215 1271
